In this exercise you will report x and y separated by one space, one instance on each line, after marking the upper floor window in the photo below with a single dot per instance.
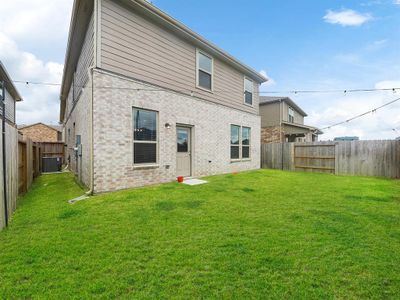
204 70
145 136
248 91
291 115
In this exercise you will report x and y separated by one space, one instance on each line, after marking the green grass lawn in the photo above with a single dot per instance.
262 234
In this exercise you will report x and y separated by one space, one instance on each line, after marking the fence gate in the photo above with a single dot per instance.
22 168
315 158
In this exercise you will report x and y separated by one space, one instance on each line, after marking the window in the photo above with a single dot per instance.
183 140
245 142
291 115
248 91
204 71
240 142
235 142
145 137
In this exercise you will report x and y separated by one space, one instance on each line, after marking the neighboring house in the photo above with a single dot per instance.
11 96
398 138
40 132
346 138
144 99
282 120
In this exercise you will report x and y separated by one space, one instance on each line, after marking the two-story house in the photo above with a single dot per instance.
40 132
144 99
11 96
282 120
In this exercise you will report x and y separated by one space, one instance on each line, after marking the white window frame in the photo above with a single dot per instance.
152 164
290 110
198 51
245 90
240 145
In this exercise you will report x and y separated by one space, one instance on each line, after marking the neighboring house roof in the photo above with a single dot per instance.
9 84
268 100
310 128
54 127
80 19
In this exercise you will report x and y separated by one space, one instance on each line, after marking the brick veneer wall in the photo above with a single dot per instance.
80 115
272 134
113 134
40 133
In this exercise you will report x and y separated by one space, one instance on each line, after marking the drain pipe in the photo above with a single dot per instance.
3 129
280 130
90 192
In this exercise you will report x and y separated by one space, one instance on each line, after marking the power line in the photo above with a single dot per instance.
361 115
345 91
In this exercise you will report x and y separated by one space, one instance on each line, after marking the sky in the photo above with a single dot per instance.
298 45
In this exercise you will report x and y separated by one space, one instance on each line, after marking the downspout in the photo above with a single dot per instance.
280 130
91 191
3 129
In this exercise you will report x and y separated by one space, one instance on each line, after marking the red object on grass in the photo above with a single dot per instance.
180 179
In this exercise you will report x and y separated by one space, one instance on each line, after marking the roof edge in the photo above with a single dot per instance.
288 101
13 90
39 123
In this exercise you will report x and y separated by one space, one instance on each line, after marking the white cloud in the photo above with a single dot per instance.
40 102
349 58
397 2
270 82
378 125
346 17
376 45
28 28
38 21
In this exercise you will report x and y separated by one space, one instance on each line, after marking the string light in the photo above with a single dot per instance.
191 92
346 91
361 115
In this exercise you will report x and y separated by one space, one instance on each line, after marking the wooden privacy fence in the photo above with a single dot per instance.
24 163
28 163
365 158
11 173
52 149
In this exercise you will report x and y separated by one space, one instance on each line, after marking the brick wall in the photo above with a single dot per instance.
78 123
113 134
40 133
271 135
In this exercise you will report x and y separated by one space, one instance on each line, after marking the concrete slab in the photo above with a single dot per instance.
194 181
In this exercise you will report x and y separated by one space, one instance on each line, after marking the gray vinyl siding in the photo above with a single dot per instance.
135 47
81 75
270 114
10 107
69 103
298 118
86 60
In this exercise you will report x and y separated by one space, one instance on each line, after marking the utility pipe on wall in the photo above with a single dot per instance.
3 129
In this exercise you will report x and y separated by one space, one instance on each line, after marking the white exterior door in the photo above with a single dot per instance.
184 152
